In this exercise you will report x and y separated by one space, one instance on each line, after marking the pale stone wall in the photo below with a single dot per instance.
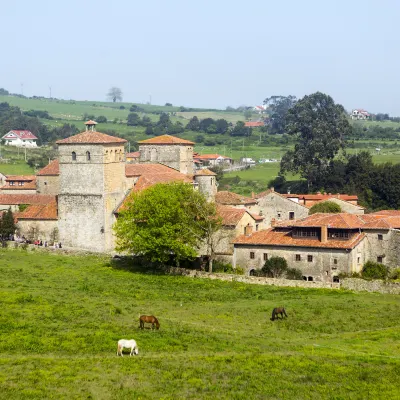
207 185
347 206
179 157
379 286
274 206
18 191
48 185
14 207
323 266
38 229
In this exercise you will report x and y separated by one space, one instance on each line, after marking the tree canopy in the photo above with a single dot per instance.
165 222
278 106
320 127
325 207
7 225
114 94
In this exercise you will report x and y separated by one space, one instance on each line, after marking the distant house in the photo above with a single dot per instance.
260 109
254 124
360 114
133 157
20 139
22 184
211 160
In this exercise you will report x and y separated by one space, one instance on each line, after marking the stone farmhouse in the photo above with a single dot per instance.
20 139
324 245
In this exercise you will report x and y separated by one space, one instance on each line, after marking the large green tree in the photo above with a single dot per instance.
277 107
115 94
7 225
166 221
320 127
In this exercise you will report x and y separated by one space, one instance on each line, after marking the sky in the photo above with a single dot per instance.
205 53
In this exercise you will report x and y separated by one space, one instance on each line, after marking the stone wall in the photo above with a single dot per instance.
207 186
38 229
48 184
347 207
360 285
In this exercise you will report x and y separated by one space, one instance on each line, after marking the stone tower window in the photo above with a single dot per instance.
88 155
73 156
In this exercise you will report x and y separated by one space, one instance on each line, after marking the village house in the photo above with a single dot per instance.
225 198
133 157
322 246
20 138
360 114
23 184
212 160
254 124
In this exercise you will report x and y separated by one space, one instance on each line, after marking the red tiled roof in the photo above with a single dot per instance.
209 157
20 134
146 181
134 154
15 199
91 137
25 178
230 198
29 183
271 237
52 169
141 169
253 123
40 211
330 199
392 213
204 171
166 139
90 122
230 215
257 217
321 196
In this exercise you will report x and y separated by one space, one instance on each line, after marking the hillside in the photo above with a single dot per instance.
62 316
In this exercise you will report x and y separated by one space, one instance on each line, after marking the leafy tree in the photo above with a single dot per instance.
325 207
7 225
205 123
101 119
294 274
164 222
278 106
247 114
136 108
4 92
221 126
115 94
199 139
149 130
211 129
133 119
275 267
168 105
241 130
164 120
320 127
146 121
373 270
193 124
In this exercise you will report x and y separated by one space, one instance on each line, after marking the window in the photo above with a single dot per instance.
45 183
252 272
379 259
279 214
298 257
336 279
73 156
310 278
265 256
335 261
291 215
20 183
309 258
252 255
12 183
380 236
88 156
304 278
358 260
256 227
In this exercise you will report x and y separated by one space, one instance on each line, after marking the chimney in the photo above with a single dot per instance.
273 222
248 230
324 233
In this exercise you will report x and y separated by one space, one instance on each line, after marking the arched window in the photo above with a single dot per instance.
88 155
336 279
73 156
252 272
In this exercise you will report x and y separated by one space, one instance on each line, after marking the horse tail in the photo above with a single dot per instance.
273 314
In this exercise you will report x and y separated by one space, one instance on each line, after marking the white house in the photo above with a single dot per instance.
360 114
20 139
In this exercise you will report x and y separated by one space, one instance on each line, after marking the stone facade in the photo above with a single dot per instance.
177 156
207 184
46 230
91 187
48 185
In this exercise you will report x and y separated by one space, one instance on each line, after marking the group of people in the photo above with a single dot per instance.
40 242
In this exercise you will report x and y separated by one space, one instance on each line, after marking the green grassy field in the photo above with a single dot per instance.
62 316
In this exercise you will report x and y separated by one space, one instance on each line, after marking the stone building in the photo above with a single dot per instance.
19 184
323 245
207 183
48 179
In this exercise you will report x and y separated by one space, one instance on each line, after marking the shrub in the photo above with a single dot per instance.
325 207
294 274
238 271
275 267
101 119
374 270
395 274
226 268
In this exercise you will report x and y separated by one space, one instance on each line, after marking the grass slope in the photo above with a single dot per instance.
62 316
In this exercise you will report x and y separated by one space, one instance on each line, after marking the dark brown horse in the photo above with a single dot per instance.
276 311
148 319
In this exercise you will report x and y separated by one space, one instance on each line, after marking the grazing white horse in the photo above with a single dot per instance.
127 344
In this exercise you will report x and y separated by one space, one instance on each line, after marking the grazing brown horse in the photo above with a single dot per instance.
276 311
148 319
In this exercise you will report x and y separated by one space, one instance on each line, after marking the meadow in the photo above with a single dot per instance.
62 316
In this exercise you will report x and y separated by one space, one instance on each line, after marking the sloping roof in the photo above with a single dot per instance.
15 199
20 134
253 123
166 139
230 198
267 192
29 183
24 178
335 198
271 237
90 122
52 169
146 181
391 213
40 212
204 171
321 196
134 154
230 215
91 137
209 157
141 169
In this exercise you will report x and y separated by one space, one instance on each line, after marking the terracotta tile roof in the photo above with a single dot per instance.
52 169
320 196
146 181
90 122
271 237
336 198
40 212
205 171
230 215
134 154
15 199
391 213
254 123
20 178
230 198
257 217
141 169
209 157
20 134
91 137
166 139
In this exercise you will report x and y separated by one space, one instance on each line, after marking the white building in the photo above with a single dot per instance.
360 114
20 139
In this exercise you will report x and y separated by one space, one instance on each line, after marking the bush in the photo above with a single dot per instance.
395 274
101 119
325 207
374 270
294 274
275 267
219 266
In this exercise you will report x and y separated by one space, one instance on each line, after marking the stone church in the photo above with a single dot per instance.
78 195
